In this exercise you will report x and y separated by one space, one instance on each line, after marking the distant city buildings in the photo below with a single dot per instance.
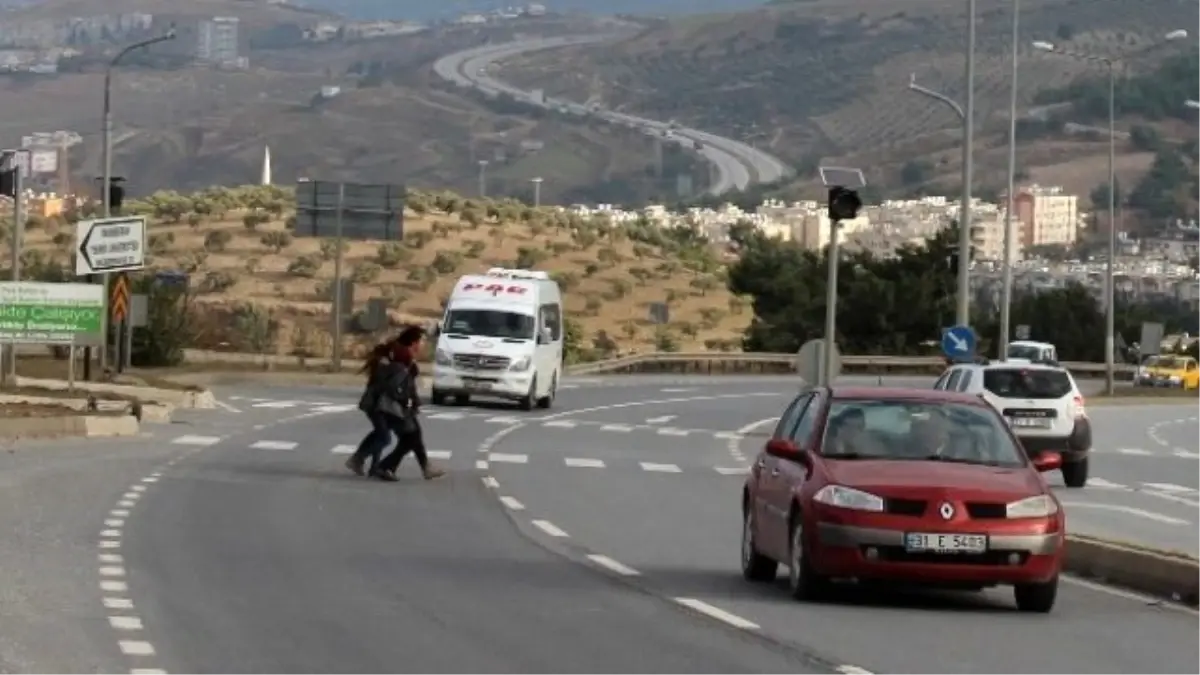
217 42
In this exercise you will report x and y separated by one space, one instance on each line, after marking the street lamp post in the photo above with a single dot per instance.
1006 293
537 191
483 163
1110 311
106 151
962 314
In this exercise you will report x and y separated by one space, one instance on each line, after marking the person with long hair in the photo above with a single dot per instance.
372 445
401 407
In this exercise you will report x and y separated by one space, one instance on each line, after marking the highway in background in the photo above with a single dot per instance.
262 553
737 164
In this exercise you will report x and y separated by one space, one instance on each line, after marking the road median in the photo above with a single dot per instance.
1162 574
68 426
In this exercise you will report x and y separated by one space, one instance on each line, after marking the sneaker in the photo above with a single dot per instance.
431 472
355 465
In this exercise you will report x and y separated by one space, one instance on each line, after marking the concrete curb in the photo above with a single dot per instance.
178 398
333 380
86 426
1155 573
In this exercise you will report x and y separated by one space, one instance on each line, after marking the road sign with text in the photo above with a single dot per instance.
110 245
33 312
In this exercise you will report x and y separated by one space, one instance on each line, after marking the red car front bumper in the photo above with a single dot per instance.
868 553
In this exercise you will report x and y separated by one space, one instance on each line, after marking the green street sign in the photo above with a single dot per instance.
33 312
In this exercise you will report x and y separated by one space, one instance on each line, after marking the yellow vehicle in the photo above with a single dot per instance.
1168 371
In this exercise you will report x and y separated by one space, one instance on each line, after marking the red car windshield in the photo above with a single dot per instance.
918 430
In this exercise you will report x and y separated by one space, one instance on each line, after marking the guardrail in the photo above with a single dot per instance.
696 363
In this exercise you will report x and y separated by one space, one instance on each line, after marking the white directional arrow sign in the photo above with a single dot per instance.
959 343
110 245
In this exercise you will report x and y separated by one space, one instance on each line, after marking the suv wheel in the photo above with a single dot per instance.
1075 473
527 401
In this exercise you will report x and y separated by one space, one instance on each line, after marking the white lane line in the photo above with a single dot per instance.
119 513
661 420
147 671
136 648
560 424
278 405
716 613
1139 452
659 468
137 488
226 406
1168 487
446 416
549 528
1186 454
490 482
343 449
110 558
583 462
110 534
113 586
125 622
1141 513
732 470
502 419
512 503
112 571
274 445
508 459
616 427
671 431
196 440
150 479
114 522
853 670
481 464
335 408
677 390
127 503
727 436
439 454
612 565
118 603
110 543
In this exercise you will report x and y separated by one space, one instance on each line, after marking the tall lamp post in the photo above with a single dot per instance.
537 191
107 162
483 164
1110 311
1007 271
962 314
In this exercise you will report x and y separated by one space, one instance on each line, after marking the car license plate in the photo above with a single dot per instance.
477 385
918 542
1031 422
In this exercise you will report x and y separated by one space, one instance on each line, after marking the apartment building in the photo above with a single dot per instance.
1047 215
217 41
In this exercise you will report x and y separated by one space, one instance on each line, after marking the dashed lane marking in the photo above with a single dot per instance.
549 528
622 428
612 565
560 424
582 462
197 440
343 449
274 445
660 468
717 613
136 648
507 459
512 503
125 622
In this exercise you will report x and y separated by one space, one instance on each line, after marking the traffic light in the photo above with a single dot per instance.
843 204
8 183
116 192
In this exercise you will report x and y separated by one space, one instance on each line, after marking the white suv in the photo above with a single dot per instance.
1041 403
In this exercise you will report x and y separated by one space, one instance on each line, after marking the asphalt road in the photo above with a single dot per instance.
241 544
737 164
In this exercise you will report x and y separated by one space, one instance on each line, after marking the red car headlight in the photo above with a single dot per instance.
848 498
1032 507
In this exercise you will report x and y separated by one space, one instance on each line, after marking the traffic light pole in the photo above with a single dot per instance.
17 236
831 297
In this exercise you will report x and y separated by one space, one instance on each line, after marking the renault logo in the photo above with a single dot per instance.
947 510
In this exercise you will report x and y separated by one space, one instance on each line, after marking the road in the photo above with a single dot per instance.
238 543
737 164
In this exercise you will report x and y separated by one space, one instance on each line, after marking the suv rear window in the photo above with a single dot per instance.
1019 383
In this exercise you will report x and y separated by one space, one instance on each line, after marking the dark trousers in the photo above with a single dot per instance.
375 441
408 439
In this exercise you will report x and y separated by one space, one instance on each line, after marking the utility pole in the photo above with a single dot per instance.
537 191
483 163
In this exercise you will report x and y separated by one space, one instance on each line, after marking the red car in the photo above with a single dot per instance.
907 485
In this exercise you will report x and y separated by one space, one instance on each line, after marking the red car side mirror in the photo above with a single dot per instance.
1048 461
785 449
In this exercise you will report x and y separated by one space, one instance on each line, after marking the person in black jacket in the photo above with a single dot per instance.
377 438
400 405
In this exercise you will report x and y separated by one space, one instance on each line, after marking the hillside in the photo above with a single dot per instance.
826 80
181 125
241 254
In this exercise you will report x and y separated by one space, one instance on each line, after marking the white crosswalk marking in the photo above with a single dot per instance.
728 435
560 424
660 420
439 454
274 445
732 470
583 462
502 419
1168 487
1139 452
669 431
616 427
1102 483
196 440
508 459
343 449
446 416
1186 454
659 468
276 404
335 407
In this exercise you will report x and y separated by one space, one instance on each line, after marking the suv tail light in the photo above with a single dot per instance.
1080 408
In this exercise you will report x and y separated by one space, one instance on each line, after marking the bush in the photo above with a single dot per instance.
329 248
276 241
446 262
305 267
392 254
217 240
365 273
256 328
217 282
